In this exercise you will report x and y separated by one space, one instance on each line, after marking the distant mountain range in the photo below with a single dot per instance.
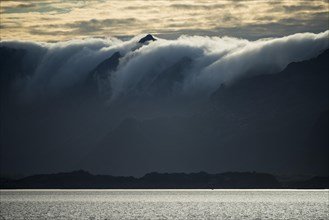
230 180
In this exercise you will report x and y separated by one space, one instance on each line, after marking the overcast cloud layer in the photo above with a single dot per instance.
58 20
213 61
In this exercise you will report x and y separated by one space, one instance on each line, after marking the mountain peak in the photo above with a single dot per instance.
147 38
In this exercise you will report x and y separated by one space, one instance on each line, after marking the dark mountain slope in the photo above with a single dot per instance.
99 79
274 114
10 65
147 38
264 121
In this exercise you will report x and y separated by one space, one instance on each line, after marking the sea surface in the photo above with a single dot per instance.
164 204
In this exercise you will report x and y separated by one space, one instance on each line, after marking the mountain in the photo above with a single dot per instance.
100 77
164 83
9 57
82 179
318 182
16 64
277 114
231 180
147 38
272 123
277 122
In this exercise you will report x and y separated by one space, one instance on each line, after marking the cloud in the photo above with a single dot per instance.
61 65
294 8
41 7
95 25
212 61
80 19
29 5
197 6
82 27
216 60
259 57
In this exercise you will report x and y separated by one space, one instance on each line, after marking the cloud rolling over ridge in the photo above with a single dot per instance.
213 61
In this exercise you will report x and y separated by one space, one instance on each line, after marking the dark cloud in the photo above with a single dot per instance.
229 17
41 7
144 7
301 6
263 29
29 5
45 32
92 26
240 5
295 8
95 25
10 25
323 16
266 18
197 6
269 29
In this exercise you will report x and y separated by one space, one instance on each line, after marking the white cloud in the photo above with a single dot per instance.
215 60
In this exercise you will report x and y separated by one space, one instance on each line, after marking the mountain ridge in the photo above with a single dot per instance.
229 180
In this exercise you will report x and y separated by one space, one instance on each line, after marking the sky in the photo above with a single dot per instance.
60 20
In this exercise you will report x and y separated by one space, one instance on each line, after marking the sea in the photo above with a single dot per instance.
164 204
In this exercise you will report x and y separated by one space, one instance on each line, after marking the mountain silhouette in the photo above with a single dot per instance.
231 180
263 118
100 78
82 179
147 38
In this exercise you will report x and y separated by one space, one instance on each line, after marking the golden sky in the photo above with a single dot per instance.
58 20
